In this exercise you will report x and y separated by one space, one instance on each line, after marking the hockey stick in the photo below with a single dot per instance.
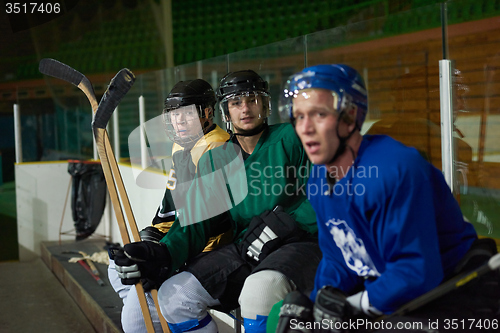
450 285
64 72
117 89
57 69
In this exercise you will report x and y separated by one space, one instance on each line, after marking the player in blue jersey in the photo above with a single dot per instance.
389 227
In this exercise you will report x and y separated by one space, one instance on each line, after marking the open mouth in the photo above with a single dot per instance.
312 146
246 119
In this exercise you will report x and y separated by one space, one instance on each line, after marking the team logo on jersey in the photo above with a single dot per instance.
353 249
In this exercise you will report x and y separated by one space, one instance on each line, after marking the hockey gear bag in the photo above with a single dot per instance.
88 196
268 232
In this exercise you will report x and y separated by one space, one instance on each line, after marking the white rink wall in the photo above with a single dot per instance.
41 190
144 201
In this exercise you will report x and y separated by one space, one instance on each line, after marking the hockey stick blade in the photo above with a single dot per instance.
57 69
117 89
61 71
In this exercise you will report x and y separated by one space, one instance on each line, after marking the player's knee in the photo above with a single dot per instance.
182 298
132 318
262 290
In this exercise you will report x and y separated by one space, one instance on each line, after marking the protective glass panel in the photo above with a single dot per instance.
274 63
473 48
400 70
220 185
56 129
397 53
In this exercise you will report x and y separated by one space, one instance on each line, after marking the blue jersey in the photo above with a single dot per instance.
390 226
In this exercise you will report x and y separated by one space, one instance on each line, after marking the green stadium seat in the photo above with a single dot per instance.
391 26
476 9
429 17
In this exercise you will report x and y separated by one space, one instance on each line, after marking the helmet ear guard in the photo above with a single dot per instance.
207 112
344 112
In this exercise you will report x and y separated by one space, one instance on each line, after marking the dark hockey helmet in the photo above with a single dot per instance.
243 83
186 101
347 86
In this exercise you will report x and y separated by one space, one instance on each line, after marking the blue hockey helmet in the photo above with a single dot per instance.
344 81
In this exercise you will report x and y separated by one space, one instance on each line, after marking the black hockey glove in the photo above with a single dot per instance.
268 232
330 310
151 234
296 314
143 260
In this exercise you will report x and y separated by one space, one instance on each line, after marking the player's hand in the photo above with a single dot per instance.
142 260
331 304
267 232
151 234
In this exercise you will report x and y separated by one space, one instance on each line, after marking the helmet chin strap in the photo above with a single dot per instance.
206 124
252 132
342 142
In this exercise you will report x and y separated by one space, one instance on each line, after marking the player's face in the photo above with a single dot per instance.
246 112
185 121
316 123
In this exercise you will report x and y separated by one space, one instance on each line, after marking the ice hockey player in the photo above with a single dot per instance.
389 227
274 250
188 117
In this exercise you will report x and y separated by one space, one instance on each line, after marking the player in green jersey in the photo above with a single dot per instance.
261 197
188 114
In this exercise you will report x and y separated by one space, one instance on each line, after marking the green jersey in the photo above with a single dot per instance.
184 164
274 174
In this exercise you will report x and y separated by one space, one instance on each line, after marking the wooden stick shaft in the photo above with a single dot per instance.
117 183
121 191
66 73
101 138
